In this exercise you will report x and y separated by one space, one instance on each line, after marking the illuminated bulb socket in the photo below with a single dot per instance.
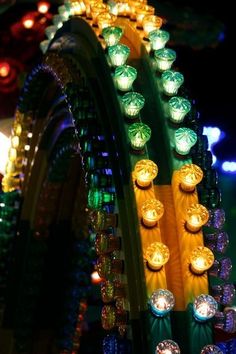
190 175
204 308
162 302
171 82
111 318
158 39
201 260
211 349
157 255
145 171
106 243
112 290
112 35
164 58
197 216
151 23
152 210
167 346
100 220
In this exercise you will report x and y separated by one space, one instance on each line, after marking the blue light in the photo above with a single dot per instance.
214 135
229 166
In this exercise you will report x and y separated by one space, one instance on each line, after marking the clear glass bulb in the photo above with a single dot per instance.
204 307
167 346
211 349
162 302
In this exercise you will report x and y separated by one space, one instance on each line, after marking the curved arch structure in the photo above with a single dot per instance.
72 164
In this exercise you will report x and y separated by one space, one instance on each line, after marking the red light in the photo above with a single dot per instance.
43 7
28 21
4 69
95 278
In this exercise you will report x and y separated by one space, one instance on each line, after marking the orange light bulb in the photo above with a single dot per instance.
201 259
4 69
43 7
197 216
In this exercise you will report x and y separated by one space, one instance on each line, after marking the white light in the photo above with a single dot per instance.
229 166
4 147
214 135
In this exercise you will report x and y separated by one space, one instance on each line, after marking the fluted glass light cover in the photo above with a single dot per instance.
164 58
112 35
139 134
221 268
57 20
108 317
167 346
204 307
106 243
158 39
217 241
178 108
124 77
185 138
211 349
157 254
152 210
132 103
101 220
162 301
224 294
196 216
145 171
171 82
190 175
201 259
150 23
226 320
118 54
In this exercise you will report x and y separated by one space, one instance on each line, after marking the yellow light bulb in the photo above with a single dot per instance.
105 19
12 154
197 216
15 141
150 23
157 255
145 171
151 210
190 176
201 259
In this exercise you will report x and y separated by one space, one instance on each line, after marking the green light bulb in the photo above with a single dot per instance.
50 32
139 134
158 39
164 58
112 35
185 138
124 77
132 103
178 108
171 82
118 54
44 45
97 198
